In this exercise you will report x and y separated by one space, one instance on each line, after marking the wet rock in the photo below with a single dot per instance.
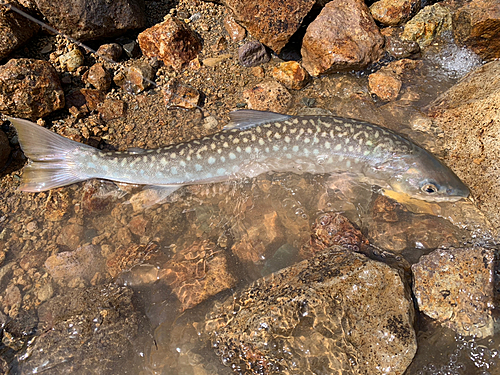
338 312
110 51
112 109
256 241
400 49
10 300
236 32
138 225
395 229
71 60
15 30
268 96
172 41
430 22
386 83
96 19
98 76
84 100
468 115
181 96
79 264
477 25
343 37
333 229
4 149
253 53
394 12
196 273
70 236
269 21
456 288
83 327
98 195
29 89
128 255
291 74
135 78
57 205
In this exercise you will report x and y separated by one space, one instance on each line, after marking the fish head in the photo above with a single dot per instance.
428 179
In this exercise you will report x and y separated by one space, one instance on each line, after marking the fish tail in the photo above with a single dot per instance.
52 157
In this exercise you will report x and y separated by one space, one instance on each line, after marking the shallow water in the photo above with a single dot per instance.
137 243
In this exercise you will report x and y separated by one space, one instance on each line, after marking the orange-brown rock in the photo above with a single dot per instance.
172 41
394 12
236 32
291 74
343 37
477 25
29 89
272 22
268 96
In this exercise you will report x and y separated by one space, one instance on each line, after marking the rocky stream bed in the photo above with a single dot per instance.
281 273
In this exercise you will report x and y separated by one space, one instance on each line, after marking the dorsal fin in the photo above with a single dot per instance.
247 118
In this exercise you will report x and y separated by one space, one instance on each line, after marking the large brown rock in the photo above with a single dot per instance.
343 37
456 287
477 25
14 31
93 19
172 41
468 113
29 89
272 22
337 313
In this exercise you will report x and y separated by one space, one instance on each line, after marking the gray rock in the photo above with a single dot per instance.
87 331
253 53
29 89
95 18
429 23
338 312
456 287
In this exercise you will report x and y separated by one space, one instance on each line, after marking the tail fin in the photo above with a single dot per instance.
52 157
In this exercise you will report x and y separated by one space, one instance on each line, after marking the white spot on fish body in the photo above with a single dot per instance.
245 140
287 139
225 145
213 146
211 160
253 137
293 130
94 157
266 149
307 140
248 150
315 151
276 148
295 148
338 147
277 124
350 148
238 149
222 159
173 170
221 171
182 163
369 143
304 122
198 156
288 156
277 135
376 134
232 156
236 141
188 158
124 162
261 142
295 121
269 134
198 167
348 164
173 155
327 144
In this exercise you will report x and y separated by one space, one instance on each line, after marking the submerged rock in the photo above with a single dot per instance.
272 22
338 312
172 41
95 18
197 273
477 25
468 115
343 37
456 287
85 327
29 89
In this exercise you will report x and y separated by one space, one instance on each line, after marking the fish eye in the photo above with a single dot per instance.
429 188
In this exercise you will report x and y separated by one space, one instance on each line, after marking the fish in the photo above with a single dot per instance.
253 142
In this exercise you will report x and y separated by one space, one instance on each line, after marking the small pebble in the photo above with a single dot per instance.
110 51
72 60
